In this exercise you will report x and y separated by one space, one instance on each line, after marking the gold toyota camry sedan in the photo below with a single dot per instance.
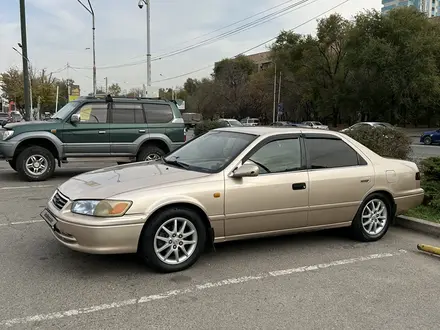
229 184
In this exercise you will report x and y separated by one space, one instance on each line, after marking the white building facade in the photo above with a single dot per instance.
430 7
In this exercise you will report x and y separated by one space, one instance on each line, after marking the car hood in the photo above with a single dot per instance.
429 132
27 123
111 181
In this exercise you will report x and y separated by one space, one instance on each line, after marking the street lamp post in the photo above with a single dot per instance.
147 5
27 100
91 12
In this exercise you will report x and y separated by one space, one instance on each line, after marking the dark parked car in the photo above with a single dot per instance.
430 137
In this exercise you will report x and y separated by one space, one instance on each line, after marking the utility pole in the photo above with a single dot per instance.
147 5
27 99
106 85
279 96
274 93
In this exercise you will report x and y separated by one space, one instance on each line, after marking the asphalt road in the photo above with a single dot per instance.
310 281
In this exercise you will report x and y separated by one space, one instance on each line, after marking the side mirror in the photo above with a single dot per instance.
246 170
76 118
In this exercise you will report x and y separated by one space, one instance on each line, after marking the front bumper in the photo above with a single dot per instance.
99 238
6 150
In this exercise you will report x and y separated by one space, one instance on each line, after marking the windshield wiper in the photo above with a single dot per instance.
177 163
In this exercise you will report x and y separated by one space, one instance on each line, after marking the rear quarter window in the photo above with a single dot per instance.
158 113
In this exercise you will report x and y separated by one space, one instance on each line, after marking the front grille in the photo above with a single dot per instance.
59 200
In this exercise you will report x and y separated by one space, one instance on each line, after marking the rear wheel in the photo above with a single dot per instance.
150 153
427 140
373 218
35 164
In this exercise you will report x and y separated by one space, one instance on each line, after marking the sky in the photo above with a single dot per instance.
59 34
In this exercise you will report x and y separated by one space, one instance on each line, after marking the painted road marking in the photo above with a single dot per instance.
26 187
194 289
20 222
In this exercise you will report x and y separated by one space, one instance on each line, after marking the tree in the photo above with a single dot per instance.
114 89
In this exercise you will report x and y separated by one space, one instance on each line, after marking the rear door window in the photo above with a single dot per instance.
127 113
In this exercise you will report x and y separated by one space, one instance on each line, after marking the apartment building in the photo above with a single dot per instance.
261 60
430 7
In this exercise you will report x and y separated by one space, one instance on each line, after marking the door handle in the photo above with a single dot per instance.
101 132
141 131
365 180
299 186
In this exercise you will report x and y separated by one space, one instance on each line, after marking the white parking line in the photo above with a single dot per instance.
194 289
26 187
20 222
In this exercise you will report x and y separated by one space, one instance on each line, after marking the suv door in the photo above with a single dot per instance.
127 124
275 200
91 135
339 179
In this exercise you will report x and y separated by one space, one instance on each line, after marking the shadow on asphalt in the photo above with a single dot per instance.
12 176
64 260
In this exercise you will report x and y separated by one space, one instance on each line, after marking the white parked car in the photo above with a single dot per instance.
250 121
315 124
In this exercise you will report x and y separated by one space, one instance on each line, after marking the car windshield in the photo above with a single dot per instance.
234 123
65 111
317 123
211 152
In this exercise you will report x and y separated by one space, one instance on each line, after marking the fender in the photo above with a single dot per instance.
154 136
22 137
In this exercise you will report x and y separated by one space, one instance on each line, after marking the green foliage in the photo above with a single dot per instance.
206 126
114 90
386 142
430 168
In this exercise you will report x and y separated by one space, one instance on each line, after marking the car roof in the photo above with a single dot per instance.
268 130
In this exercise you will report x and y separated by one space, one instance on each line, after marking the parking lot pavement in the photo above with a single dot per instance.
420 151
310 281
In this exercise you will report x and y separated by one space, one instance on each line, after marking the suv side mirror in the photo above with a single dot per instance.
76 118
246 170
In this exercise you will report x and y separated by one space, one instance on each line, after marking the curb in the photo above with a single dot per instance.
418 225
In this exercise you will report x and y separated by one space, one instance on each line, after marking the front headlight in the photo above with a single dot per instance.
101 208
7 133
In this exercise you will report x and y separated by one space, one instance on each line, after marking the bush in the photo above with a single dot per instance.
206 126
430 168
386 142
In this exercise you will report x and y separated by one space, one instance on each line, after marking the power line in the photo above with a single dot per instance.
261 44
229 25
245 27
237 30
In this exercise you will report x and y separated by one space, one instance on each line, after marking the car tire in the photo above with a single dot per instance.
13 164
427 140
372 219
150 153
42 156
154 250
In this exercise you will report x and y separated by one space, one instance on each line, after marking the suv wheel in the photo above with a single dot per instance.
173 240
150 153
373 218
35 164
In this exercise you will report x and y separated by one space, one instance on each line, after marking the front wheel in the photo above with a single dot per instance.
173 240
427 140
35 164
373 218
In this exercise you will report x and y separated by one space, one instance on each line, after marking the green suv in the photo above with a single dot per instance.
123 129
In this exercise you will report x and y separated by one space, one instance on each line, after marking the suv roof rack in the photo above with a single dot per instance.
110 98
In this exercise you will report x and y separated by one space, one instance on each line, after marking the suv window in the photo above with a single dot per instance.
330 153
93 113
127 114
158 113
278 156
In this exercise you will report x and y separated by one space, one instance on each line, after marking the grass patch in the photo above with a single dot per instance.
424 212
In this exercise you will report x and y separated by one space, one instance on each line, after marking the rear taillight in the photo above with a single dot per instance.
418 176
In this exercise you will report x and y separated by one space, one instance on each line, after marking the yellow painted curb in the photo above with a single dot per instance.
429 249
